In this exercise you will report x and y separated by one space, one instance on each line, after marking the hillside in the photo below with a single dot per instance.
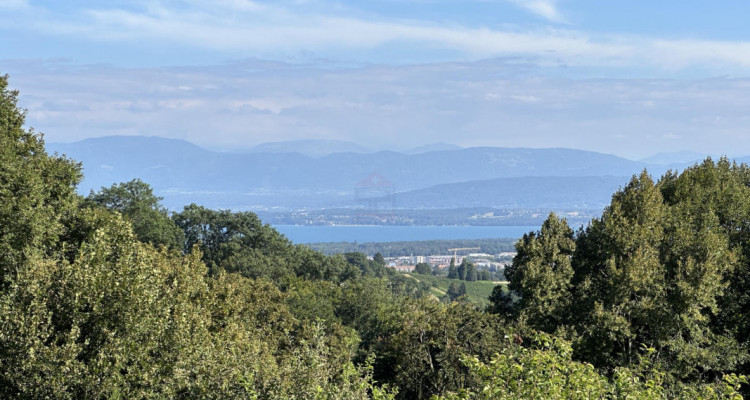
476 292
525 192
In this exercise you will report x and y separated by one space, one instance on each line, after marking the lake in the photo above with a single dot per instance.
379 233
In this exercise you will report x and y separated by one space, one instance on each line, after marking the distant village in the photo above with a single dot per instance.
491 262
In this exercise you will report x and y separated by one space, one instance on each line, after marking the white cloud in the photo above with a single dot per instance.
546 9
237 28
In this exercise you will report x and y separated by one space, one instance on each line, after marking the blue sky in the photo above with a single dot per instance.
626 77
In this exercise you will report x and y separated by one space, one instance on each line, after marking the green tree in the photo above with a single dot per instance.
136 201
541 275
471 272
462 269
423 268
424 352
707 261
485 275
237 242
240 242
547 371
621 277
652 271
502 303
452 270
37 191
378 258
367 267
126 320
455 291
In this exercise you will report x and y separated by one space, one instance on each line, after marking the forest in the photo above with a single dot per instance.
112 296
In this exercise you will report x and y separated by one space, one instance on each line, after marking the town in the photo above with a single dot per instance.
495 263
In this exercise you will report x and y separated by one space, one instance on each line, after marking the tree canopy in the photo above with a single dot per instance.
136 201
662 267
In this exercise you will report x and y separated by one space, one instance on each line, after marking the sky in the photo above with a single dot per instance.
625 77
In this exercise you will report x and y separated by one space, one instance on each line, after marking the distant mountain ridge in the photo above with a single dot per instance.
666 158
584 192
183 172
433 147
310 148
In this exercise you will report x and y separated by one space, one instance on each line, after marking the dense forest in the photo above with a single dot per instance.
112 296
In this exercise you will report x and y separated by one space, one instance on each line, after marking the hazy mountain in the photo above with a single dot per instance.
580 192
311 148
182 172
683 157
433 147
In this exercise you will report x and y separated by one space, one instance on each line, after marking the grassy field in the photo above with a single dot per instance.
478 292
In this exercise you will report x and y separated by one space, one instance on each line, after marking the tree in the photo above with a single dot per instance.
423 351
423 268
367 267
136 201
471 272
234 241
502 303
37 191
706 263
378 258
455 291
240 242
620 275
653 270
485 275
541 275
547 371
452 270
462 269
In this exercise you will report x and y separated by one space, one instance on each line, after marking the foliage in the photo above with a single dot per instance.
541 273
455 291
421 355
374 267
240 242
37 191
547 371
453 270
136 200
423 269
655 269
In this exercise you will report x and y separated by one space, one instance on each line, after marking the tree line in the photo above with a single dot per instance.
112 296
417 247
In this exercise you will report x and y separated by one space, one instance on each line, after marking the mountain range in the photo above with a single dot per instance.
273 176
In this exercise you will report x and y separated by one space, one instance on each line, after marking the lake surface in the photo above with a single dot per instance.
377 233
